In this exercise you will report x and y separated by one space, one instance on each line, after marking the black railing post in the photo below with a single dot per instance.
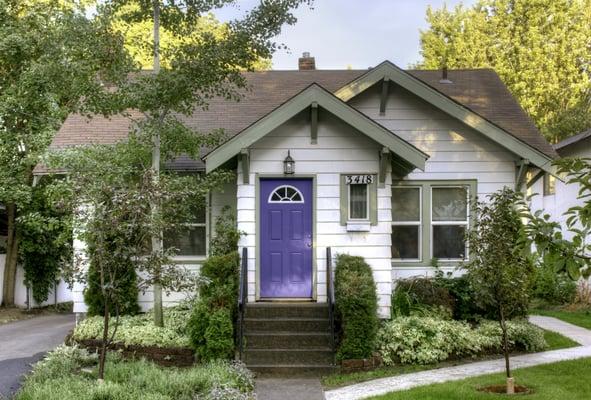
330 296
242 297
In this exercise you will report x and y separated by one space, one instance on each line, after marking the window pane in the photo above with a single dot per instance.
358 201
449 241
450 204
190 242
406 204
405 242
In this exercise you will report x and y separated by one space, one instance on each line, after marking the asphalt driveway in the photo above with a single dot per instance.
22 343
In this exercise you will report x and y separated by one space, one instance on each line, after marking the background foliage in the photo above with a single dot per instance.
539 48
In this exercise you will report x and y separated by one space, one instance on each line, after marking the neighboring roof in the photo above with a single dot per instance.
403 150
572 140
480 91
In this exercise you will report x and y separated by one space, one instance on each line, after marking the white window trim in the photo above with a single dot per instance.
367 210
412 223
465 223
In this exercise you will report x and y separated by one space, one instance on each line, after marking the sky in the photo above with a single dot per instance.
351 33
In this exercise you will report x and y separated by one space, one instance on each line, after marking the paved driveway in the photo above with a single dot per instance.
24 342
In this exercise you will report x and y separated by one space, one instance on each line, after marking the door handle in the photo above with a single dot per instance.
309 244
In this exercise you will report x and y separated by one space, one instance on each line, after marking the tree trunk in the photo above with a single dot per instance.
503 323
156 239
9 281
103 355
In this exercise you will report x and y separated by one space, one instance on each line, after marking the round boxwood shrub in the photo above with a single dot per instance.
356 305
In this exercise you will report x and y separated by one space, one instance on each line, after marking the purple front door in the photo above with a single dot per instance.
286 238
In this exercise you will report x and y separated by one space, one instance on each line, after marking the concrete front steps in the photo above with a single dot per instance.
288 339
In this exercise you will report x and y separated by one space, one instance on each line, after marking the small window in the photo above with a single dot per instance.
406 223
192 238
358 202
549 184
449 220
286 194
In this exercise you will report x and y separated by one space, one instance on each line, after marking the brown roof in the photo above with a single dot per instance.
479 90
572 140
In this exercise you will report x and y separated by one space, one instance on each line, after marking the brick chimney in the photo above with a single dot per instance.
306 63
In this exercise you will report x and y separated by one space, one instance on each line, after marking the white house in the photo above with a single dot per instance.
385 162
554 196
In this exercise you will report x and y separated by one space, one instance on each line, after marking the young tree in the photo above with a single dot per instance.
500 269
195 71
540 49
51 57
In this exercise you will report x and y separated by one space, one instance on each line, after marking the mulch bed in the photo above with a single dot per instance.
502 389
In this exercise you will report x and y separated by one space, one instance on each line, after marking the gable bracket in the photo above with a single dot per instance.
523 165
245 163
384 161
314 122
384 95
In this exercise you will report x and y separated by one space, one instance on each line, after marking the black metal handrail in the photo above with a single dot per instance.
242 296
330 297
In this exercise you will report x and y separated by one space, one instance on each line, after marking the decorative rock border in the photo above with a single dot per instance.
362 364
164 356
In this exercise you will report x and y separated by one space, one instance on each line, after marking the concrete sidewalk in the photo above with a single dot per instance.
408 381
23 343
289 389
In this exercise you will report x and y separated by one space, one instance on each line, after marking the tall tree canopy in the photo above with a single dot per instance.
540 48
53 60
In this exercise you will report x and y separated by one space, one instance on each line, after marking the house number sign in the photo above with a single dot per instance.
358 179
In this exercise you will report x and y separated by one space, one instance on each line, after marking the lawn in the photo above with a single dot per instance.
554 340
580 317
563 380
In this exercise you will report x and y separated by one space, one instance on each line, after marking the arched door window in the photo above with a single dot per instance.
286 194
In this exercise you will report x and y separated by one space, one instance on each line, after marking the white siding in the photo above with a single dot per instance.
456 151
340 149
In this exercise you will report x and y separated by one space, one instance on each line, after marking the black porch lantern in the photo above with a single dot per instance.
288 165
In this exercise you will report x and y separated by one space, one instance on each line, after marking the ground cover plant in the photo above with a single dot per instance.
69 373
563 380
140 329
554 341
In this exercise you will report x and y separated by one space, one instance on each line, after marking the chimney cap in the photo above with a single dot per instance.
306 54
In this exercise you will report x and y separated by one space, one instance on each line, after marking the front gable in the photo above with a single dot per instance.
404 153
387 71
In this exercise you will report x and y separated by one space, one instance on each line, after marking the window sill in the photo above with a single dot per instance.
358 226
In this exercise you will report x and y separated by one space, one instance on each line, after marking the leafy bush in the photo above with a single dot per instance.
226 236
127 303
210 326
140 329
412 296
555 288
356 307
58 377
415 340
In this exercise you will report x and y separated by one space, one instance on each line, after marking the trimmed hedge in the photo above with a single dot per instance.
356 306
211 325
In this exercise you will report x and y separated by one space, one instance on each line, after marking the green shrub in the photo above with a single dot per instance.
417 295
420 340
226 236
555 288
127 298
356 307
210 327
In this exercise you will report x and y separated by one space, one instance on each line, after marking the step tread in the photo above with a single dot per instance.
291 366
256 319
287 350
285 333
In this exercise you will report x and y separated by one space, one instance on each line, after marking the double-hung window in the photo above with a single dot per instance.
359 209
190 239
430 220
406 223
449 222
